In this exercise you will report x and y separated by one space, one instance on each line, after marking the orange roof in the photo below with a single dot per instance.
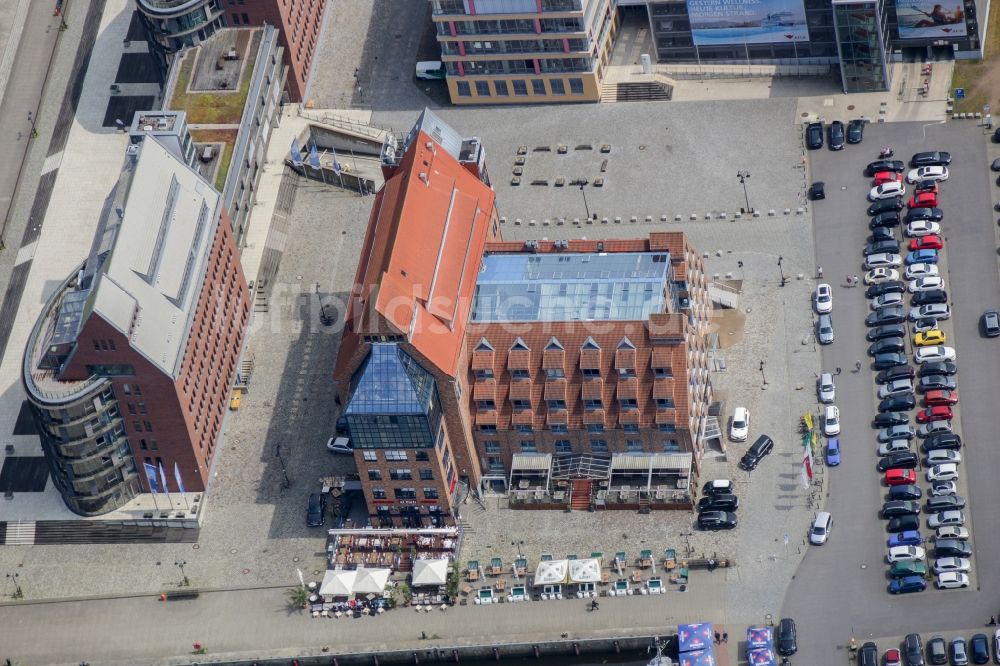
422 252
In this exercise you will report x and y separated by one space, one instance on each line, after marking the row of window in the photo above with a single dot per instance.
625 404
562 428
520 87
559 373
395 455
404 493
595 446
401 474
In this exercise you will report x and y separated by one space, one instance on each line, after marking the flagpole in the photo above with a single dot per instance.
166 490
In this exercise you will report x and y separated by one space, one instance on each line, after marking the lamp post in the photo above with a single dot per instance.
687 542
739 264
18 592
762 375
518 544
743 176
284 470
584 193
781 271
180 565
31 121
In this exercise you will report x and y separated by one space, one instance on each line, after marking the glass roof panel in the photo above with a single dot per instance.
563 287
391 382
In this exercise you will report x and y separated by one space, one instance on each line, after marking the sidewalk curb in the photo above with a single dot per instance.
153 594
10 50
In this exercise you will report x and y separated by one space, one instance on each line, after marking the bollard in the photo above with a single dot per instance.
663 218
677 218
694 216
618 219
770 213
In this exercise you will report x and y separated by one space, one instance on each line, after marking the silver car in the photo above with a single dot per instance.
824 329
825 388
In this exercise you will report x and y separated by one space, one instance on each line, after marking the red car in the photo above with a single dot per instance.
900 477
936 413
926 187
940 397
892 657
923 200
928 242
887 177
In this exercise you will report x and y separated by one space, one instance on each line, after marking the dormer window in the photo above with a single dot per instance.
589 343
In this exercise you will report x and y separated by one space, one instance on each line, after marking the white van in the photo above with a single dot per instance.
820 529
430 70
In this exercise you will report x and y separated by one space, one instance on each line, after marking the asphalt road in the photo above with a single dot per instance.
840 588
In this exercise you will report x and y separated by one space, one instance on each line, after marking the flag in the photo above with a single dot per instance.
336 164
177 478
301 579
296 153
313 155
807 464
154 486
163 478
804 477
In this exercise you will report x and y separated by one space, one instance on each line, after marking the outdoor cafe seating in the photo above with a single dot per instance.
653 586
551 592
520 567
485 596
472 572
646 559
585 590
518 593
496 567
621 588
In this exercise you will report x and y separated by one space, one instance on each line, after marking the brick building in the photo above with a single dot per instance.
128 369
565 373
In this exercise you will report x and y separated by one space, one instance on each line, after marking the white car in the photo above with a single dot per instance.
914 271
952 532
883 260
341 445
935 173
819 532
951 564
823 298
893 446
889 190
939 488
950 580
741 425
825 388
925 284
935 353
885 299
936 310
922 228
876 275
942 456
953 517
831 421
895 387
943 472
924 325
905 554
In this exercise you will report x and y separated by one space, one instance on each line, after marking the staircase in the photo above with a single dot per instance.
50 532
649 91
580 495
712 429
21 533
644 502
723 295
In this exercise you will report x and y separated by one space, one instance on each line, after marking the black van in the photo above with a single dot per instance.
758 450
721 502
787 644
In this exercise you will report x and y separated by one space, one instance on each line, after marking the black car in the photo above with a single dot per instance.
868 655
929 214
316 511
787 644
886 346
932 158
881 234
995 165
900 372
913 650
817 191
979 648
890 314
989 323
944 503
877 247
888 331
929 296
925 186
718 487
884 165
716 520
883 419
890 360
905 492
996 139
903 524
897 402
932 382
946 368
855 131
814 136
896 508
951 548
836 135
723 502
885 205
942 440
937 650
903 460
763 446
888 218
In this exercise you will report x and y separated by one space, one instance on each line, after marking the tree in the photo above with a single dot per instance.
298 596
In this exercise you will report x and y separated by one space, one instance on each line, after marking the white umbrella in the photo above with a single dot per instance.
430 572
551 572
585 571
338 583
371 581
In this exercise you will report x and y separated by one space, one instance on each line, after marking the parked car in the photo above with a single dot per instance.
833 452
721 502
894 508
959 654
881 233
886 376
923 200
889 190
868 655
908 538
884 165
943 472
896 402
897 477
855 131
823 298
915 271
929 296
952 548
930 214
886 346
943 456
817 191
886 177
891 447
908 493
935 382
939 413
934 428
903 523
340 445
885 300
836 135
760 448
928 242
316 510
913 650
905 554
904 569
932 398
885 220
717 520
924 324
936 310
937 650
947 368
907 585
934 173
824 329
819 532
960 564
931 158
903 460
922 227
949 581
814 136
895 387
890 245
921 257
740 427
891 360
979 646
718 487
926 186
939 488
826 390
935 354
883 419
885 205
926 283
989 323
942 518
893 286
879 275
831 421
883 260
942 503
889 315
944 440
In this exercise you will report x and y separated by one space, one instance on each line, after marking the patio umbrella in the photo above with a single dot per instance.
338 583
371 581
694 636
551 572
585 571
430 572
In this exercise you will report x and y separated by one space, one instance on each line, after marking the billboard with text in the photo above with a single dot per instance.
920 19
716 22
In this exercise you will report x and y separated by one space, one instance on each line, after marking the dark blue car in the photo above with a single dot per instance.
833 452
922 257
907 538
907 585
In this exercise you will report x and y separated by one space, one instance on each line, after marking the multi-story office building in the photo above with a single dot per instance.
173 25
561 369
524 51
128 368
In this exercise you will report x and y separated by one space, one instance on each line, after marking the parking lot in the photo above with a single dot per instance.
841 588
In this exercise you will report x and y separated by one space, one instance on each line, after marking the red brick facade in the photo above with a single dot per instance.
299 23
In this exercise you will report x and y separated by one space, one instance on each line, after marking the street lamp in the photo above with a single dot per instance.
743 176
180 565
739 264
781 271
518 544
18 592
762 375
31 121
284 471
584 193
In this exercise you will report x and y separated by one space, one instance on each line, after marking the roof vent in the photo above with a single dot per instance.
423 178
531 245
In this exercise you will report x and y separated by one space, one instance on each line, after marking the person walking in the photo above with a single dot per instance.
725 636
819 272
993 620
857 366
718 638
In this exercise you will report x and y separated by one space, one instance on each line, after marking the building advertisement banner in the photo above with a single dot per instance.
718 22
921 19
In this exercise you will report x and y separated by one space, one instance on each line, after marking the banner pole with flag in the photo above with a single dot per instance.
163 480
336 166
150 470
180 485
314 160
296 153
